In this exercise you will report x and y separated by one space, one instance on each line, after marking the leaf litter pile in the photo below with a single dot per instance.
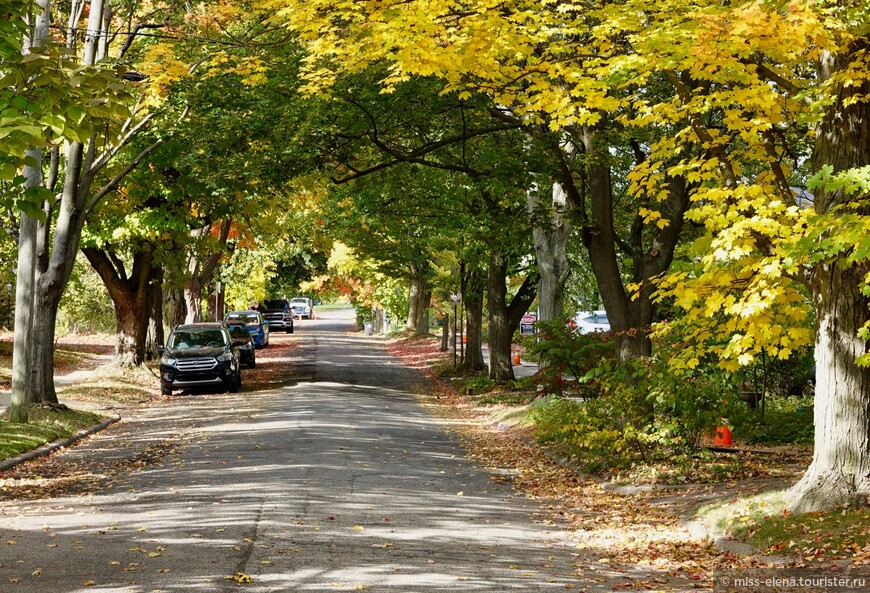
637 541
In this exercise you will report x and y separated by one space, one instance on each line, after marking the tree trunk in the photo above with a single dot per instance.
25 279
174 308
422 324
551 232
413 306
200 273
473 287
419 296
504 318
129 296
193 300
649 248
154 335
840 471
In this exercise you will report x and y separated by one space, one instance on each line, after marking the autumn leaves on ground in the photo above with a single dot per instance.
648 527
620 537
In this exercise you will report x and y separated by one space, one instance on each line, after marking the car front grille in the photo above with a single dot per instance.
196 364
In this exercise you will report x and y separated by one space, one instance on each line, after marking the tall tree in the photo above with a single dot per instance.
719 97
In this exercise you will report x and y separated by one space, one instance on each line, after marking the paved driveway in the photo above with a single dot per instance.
338 479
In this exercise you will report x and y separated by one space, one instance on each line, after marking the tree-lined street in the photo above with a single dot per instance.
337 480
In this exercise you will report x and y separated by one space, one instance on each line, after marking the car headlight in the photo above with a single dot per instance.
226 356
168 361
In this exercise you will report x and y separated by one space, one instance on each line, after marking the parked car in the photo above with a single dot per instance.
200 355
302 307
257 326
279 319
277 304
587 322
247 352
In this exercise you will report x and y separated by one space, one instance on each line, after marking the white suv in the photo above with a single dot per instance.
302 307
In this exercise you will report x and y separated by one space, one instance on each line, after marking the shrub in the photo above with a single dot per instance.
644 413
566 357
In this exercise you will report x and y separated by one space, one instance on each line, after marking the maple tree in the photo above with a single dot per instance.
728 103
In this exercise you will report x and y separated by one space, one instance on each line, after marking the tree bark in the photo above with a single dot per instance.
154 335
650 249
422 324
551 232
174 308
840 471
129 296
473 288
200 273
25 279
413 305
504 317
419 296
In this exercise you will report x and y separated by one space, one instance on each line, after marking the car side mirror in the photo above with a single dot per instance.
161 349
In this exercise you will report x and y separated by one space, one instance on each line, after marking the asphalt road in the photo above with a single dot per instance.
332 477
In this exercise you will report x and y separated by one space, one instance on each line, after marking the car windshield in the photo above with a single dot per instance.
247 318
238 331
196 338
299 301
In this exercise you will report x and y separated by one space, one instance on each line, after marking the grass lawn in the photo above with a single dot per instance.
45 425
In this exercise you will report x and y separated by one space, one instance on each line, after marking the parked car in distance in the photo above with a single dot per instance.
200 355
276 305
587 322
279 319
257 326
247 352
302 307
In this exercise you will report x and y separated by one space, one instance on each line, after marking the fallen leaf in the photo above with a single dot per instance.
89 583
36 572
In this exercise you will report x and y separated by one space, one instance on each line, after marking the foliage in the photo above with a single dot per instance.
567 356
645 412
245 277
786 420
85 305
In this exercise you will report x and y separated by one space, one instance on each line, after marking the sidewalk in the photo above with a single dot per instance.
60 382
524 369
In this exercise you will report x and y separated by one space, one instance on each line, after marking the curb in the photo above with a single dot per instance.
53 446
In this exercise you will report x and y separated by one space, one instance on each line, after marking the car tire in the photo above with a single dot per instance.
290 331
253 364
236 384
165 388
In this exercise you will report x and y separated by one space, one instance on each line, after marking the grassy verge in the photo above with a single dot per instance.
45 425
762 521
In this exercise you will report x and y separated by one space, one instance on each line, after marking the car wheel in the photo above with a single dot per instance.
290 330
165 388
236 384
253 364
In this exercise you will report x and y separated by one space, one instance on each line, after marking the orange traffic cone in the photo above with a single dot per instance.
722 437
515 354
